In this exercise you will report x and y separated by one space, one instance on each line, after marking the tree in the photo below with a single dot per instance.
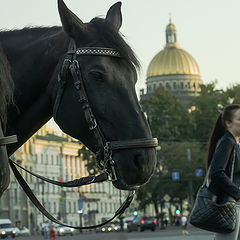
167 117
90 160
169 121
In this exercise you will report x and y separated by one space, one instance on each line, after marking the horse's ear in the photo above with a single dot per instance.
114 15
71 23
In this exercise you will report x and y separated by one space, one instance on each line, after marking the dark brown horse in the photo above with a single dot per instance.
36 56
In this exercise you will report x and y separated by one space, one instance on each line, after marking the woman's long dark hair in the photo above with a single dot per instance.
220 129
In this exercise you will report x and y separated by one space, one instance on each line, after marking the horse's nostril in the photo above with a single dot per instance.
138 161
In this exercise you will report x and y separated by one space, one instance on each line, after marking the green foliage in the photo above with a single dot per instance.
178 128
90 160
167 117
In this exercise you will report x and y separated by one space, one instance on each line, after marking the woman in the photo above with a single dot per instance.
223 146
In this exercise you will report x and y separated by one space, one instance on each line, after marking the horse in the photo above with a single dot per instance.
83 75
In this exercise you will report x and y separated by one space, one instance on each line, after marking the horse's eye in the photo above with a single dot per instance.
97 75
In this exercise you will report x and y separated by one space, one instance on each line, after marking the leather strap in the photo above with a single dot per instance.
40 207
74 183
8 140
135 143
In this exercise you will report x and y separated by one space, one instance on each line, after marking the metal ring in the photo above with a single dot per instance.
67 60
92 180
76 62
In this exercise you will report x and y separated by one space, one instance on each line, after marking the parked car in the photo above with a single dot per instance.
63 231
142 224
7 229
116 227
23 231
127 221
107 228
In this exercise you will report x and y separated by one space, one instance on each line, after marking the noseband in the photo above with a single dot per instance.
105 148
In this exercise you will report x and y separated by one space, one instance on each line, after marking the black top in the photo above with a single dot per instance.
221 166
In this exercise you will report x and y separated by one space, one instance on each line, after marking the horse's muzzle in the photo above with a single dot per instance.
134 167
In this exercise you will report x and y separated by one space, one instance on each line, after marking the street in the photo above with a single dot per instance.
147 235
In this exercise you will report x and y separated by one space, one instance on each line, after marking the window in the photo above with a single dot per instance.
54 207
181 85
15 196
97 207
175 85
16 214
74 207
46 159
106 208
149 89
168 86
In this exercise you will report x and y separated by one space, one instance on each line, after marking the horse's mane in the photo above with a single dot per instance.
113 39
6 87
9 38
25 36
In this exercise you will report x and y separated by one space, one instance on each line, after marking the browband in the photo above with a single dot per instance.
95 51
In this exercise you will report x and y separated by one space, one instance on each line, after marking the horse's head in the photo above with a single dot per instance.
109 83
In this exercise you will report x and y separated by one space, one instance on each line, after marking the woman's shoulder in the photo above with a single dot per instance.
227 138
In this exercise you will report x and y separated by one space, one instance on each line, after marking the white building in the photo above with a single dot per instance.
58 158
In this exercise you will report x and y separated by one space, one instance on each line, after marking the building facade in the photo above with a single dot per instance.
173 69
57 157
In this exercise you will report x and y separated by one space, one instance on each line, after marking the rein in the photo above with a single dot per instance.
105 148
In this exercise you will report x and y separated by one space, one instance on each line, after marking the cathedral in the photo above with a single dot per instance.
173 69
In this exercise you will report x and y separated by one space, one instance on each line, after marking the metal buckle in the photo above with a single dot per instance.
93 120
131 193
112 177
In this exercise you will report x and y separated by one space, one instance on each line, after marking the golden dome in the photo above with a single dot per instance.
172 60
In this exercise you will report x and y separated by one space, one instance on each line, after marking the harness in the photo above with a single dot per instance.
105 148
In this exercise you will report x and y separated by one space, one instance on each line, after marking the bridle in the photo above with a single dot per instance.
105 148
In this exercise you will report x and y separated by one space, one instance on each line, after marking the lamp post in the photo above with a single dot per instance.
190 180
120 217
80 209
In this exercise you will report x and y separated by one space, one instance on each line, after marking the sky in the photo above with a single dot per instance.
207 29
